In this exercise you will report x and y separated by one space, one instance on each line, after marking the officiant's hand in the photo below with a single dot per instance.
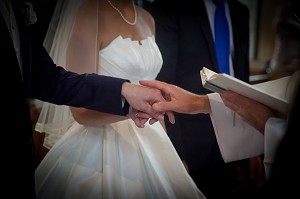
253 112
178 99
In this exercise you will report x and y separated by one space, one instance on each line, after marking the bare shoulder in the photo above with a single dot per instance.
146 18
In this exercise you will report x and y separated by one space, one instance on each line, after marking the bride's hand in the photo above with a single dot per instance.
139 118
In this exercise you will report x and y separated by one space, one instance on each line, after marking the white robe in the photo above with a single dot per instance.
237 139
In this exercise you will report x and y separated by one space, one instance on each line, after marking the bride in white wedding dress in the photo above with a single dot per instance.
102 155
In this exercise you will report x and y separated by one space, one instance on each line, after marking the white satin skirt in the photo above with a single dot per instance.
119 160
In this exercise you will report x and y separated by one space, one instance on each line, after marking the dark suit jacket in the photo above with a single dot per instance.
43 80
184 37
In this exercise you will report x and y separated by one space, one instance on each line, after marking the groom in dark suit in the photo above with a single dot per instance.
29 72
185 38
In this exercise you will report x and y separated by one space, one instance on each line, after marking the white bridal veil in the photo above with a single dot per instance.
72 43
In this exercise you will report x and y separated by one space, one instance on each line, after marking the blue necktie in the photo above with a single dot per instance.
222 44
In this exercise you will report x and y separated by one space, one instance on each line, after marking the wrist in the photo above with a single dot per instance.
202 104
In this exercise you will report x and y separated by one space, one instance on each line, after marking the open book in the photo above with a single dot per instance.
218 82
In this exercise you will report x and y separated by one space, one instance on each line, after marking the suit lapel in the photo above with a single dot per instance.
235 34
8 49
239 30
24 45
207 32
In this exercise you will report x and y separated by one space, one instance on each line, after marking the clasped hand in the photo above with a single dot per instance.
140 117
160 98
141 100
174 99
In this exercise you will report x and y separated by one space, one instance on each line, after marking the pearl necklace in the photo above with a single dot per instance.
126 20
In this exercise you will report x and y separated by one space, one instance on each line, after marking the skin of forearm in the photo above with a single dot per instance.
201 104
94 118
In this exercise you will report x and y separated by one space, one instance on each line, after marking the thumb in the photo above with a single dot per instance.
161 106
165 107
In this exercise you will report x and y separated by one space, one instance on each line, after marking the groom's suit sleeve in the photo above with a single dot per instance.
54 84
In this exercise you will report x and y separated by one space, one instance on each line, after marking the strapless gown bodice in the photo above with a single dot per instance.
132 60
